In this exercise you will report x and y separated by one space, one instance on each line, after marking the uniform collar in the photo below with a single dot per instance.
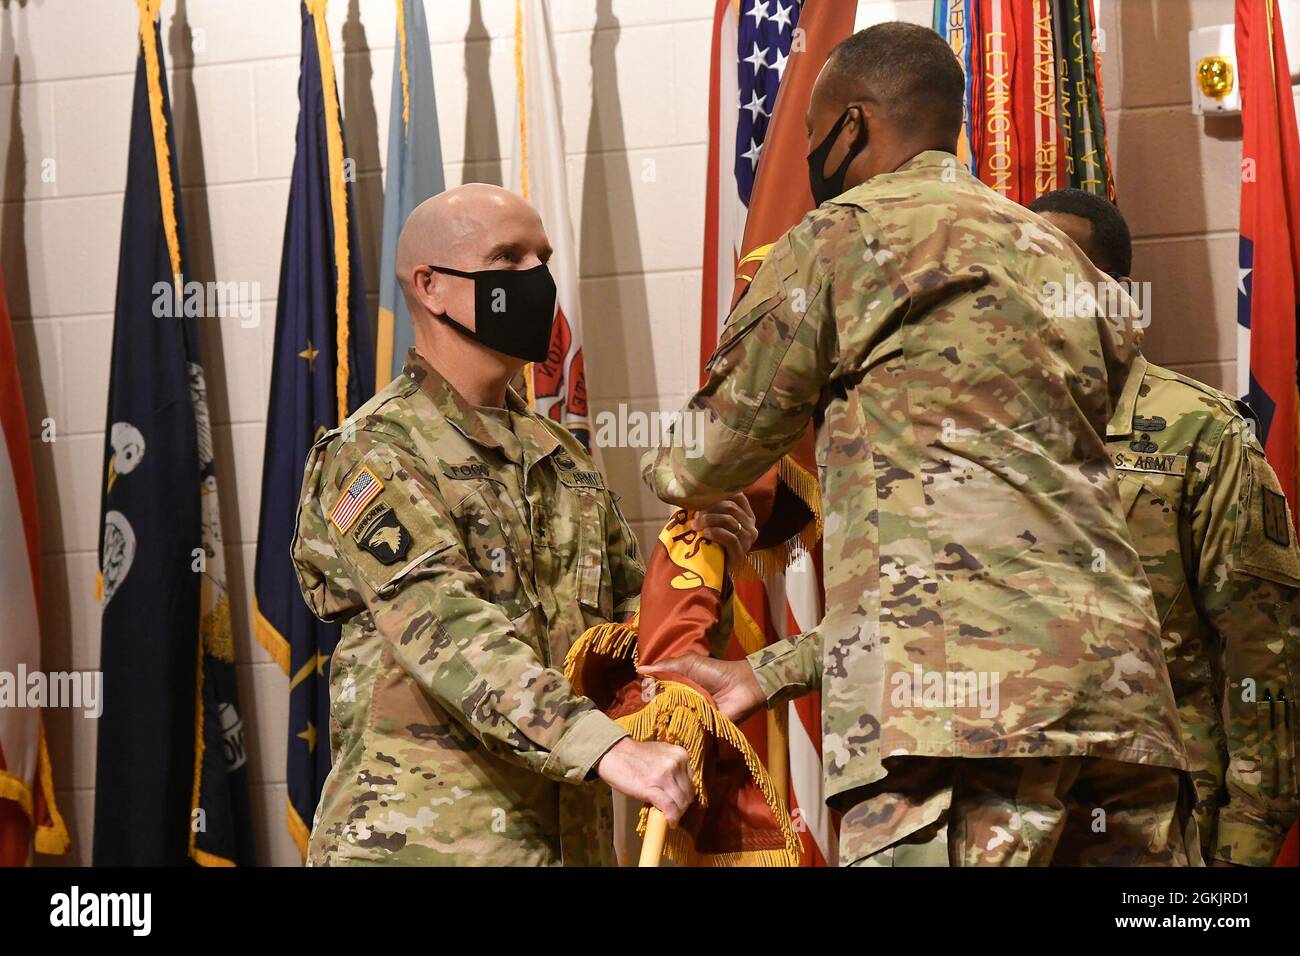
450 403
1121 422
536 439
931 159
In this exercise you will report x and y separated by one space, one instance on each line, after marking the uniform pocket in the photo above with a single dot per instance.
493 552
595 590
1267 730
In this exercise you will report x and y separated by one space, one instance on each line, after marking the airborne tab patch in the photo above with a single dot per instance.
361 490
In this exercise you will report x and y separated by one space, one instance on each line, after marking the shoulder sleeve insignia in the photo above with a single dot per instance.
1276 526
1267 548
361 490
384 535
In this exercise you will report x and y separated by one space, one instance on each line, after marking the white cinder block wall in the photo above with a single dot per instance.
634 79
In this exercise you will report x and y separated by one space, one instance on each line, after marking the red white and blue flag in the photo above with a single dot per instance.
1269 252
767 53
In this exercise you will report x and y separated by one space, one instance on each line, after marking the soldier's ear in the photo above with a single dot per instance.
426 286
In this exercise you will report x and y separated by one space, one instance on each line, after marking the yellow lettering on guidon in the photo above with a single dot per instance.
701 561
1149 464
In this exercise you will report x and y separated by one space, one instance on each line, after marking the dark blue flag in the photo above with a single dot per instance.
323 369
171 778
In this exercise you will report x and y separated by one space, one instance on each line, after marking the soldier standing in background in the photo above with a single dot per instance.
1211 523
993 688
466 542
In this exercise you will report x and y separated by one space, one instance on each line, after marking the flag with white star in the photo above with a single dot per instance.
757 189
766 33
323 367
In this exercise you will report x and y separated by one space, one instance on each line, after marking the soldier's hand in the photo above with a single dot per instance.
732 684
655 773
730 524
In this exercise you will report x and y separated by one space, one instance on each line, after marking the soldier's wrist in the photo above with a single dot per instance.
588 738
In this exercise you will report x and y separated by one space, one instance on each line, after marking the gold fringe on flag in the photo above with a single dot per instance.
767 562
148 40
681 715
167 200
338 203
406 83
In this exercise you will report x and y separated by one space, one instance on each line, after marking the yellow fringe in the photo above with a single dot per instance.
613 640
406 83
300 832
338 203
804 484
153 78
679 848
760 565
271 639
520 89
17 790
201 857
746 629
681 715
53 839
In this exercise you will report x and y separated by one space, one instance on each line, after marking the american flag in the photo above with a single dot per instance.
753 41
360 492
766 32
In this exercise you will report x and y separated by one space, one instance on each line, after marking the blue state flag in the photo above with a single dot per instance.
171 773
323 368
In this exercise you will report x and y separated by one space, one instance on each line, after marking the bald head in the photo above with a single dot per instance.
471 227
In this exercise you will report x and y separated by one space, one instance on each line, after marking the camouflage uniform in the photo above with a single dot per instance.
972 519
1209 518
489 546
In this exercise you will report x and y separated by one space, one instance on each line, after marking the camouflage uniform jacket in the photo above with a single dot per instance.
464 551
973 531
1209 518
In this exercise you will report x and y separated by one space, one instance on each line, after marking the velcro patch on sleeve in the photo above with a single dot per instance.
1268 548
361 490
1276 526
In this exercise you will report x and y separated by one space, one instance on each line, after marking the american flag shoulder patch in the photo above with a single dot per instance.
361 490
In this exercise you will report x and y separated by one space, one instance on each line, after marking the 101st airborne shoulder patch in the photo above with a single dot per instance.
361 490
383 535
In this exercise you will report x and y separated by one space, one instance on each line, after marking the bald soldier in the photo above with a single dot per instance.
465 542
1211 523
993 690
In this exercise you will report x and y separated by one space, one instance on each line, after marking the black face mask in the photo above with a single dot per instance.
514 310
825 188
